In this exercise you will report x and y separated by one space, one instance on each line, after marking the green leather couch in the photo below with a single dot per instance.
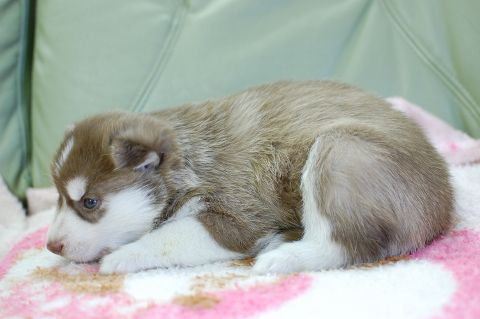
93 55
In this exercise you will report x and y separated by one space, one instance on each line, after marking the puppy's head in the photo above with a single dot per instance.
108 172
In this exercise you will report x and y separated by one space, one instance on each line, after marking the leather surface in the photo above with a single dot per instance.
144 55
14 95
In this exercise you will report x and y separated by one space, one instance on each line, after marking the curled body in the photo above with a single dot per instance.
301 175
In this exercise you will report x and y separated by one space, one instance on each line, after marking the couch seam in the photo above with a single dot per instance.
445 76
23 118
162 58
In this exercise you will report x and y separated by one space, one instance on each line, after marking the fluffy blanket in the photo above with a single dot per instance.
439 281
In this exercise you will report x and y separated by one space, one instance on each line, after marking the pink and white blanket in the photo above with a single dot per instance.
439 281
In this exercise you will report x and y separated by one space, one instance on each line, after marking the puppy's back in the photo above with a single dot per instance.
257 142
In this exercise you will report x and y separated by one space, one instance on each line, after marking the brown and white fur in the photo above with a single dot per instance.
304 176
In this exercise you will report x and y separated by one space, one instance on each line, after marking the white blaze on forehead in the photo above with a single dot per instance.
64 154
76 188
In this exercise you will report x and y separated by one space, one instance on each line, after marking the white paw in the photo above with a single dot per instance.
299 256
282 260
127 259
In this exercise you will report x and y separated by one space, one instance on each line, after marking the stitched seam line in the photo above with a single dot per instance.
446 77
162 59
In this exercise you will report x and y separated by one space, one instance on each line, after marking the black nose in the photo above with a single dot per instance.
55 247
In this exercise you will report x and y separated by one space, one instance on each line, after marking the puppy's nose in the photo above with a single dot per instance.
55 247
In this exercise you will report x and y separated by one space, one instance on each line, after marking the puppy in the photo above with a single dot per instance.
304 176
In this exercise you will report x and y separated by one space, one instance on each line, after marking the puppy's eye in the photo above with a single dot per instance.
89 203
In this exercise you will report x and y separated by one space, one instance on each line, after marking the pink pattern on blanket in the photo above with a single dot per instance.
459 252
33 299
35 239
239 303
455 146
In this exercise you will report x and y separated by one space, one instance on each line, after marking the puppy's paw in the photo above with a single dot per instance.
127 259
282 260
300 256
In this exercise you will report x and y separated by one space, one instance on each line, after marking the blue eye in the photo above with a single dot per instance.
89 203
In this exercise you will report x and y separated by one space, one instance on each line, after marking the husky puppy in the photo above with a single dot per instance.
302 175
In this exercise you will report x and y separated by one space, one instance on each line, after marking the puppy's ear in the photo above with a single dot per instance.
131 154
141 143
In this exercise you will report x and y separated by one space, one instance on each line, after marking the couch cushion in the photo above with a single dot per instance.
15 43
144 55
